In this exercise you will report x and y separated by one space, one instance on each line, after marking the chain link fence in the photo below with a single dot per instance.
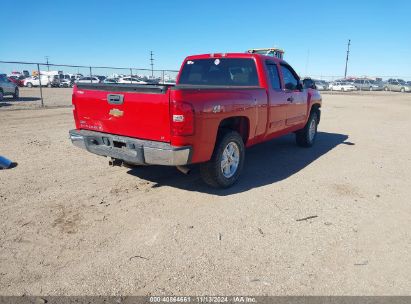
50 85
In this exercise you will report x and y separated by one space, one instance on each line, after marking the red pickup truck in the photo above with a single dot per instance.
221 103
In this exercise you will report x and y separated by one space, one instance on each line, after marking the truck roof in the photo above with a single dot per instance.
234 55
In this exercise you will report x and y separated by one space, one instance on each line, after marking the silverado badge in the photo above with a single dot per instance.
116 112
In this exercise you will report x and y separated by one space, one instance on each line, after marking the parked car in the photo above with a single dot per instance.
8 87
101 78
221 104
88 80
55 83
131 80
34 81
397 85
341 86
368 85
65 83
321 85
110 80
17 79
348 81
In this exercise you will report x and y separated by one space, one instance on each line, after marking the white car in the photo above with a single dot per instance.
34 81
131 80
88 80
341 86
65 83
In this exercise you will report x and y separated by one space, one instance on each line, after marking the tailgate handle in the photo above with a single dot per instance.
116 99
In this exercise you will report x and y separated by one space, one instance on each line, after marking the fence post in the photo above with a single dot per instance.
91 80
131 75
41 90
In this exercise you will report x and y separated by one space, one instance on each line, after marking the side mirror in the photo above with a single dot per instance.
300 86
313 86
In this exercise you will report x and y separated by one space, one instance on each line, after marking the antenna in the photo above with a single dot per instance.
151 63
346 60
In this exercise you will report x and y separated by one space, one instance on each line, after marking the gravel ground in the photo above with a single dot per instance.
72 225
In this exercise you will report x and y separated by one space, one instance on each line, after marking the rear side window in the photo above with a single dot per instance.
273 75
220 72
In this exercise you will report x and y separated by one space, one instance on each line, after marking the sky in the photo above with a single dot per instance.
314 34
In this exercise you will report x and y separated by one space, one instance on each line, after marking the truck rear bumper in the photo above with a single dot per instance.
131 150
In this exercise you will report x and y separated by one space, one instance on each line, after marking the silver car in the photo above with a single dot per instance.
321 85
397 85
368 85
8 87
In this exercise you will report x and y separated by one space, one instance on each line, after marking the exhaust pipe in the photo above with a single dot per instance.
183 169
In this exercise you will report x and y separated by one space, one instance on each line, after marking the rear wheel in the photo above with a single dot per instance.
29 84
226 163
306 136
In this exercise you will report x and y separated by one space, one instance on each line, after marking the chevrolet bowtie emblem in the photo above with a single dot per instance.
116 112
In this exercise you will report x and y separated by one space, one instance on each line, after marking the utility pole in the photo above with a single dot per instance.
346 60
151 63
47 61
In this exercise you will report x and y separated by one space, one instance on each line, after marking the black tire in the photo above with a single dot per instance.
211 171
370 88
1 95
49 85
303 137
16 93
29 85
386 89
402 90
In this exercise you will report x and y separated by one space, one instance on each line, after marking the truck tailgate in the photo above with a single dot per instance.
139 111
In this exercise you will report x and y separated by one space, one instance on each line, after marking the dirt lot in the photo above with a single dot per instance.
72 225
30 98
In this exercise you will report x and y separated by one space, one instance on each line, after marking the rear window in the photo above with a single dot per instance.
220 72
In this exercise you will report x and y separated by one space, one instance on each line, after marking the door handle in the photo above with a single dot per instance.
290 99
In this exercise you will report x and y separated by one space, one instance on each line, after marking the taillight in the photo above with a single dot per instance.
182 118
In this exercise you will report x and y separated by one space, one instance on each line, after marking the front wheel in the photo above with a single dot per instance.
402 90
226 163
29 85
306 136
